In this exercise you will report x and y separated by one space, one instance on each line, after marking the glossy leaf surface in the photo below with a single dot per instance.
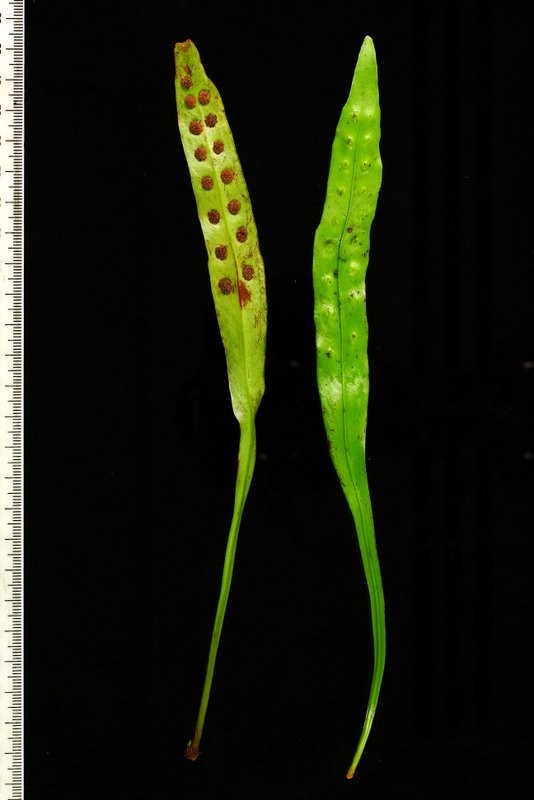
341 256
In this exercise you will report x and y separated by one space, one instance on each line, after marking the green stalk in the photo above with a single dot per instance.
245 469
360 504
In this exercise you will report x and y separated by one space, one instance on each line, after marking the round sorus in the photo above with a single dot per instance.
214 216
227 175
241 234
218 147
186 81
221 252
225 285
195 127
234 207
190 101
204 97
201 154
211 120
207 182
248 272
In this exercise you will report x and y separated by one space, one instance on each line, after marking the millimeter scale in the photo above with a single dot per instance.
11 396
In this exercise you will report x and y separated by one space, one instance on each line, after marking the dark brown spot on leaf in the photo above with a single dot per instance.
186 81
225 285
218 147
207 182
234 207
241 234
227 175
201 154
221 252
190 101
211 120
195 127
214 216
204 97
248 272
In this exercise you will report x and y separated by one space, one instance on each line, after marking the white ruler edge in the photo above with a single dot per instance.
11 397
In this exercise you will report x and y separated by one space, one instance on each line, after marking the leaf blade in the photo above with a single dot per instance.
235 264
341 256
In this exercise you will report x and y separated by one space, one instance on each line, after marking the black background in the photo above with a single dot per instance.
131 443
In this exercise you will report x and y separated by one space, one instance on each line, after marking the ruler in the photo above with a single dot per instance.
11 396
